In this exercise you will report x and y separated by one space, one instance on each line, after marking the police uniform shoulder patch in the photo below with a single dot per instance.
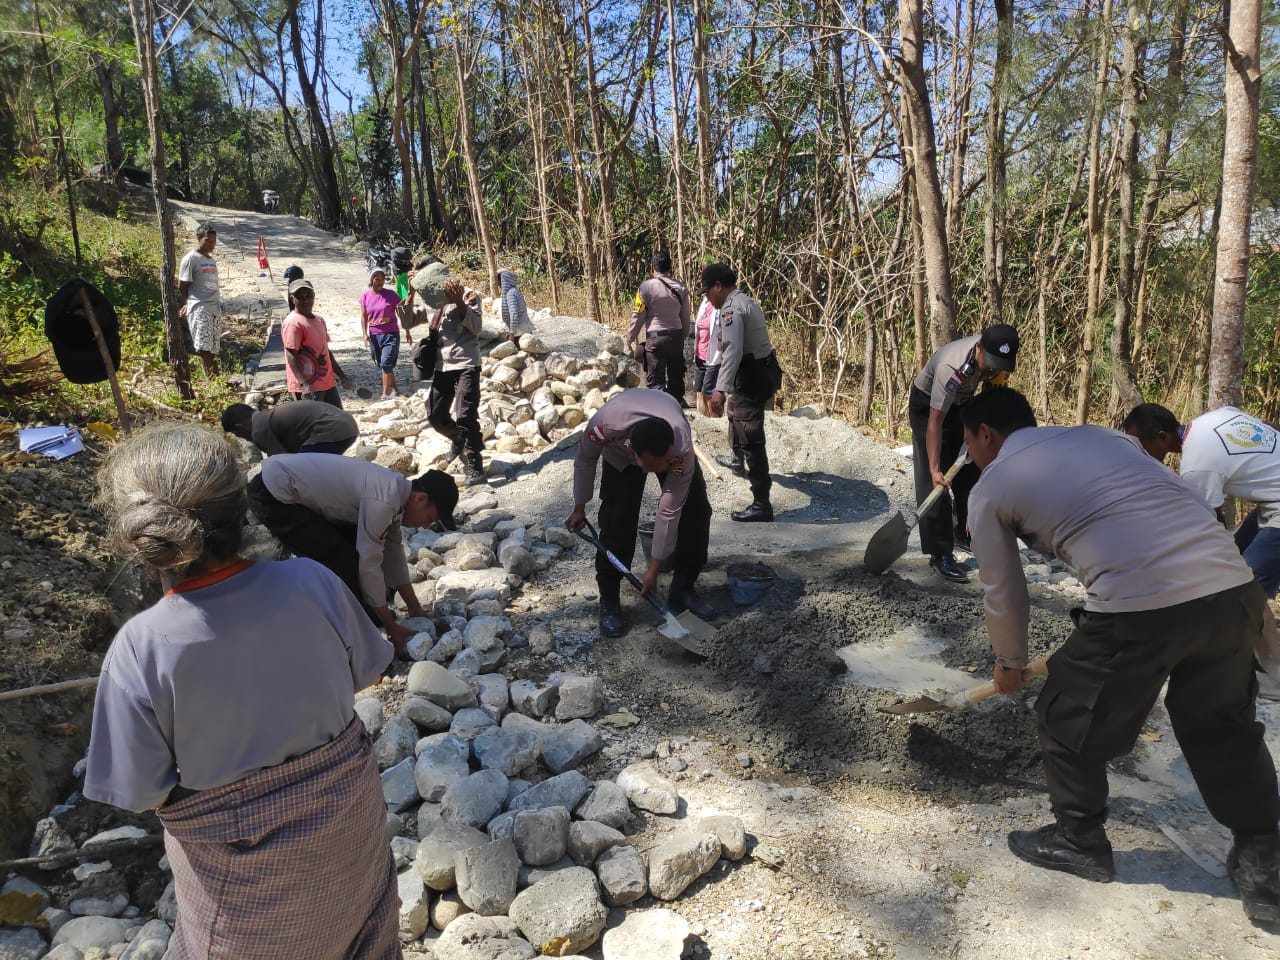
639 303
677 466
597 434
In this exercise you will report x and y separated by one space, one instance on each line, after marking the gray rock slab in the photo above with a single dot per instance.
588 839
415 904
623 876
606 803
533 700
676 863
370 712
24 943
447 647
399 786
432 681
441 765
732 834
531 875
580 697
467 585
647 935
470 722
564 747
435 859
63 952
475 801
541 835
150 943
507 751
541 640
397 741
472 937
564 790
167 905
563 910
88 933
649 790
427 715
486 633
429 818
494 694
486 877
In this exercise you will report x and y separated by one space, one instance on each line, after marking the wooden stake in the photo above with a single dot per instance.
121 412
95 851
49 688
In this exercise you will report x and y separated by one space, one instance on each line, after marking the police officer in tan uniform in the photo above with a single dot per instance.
749 377
661 316
1169 601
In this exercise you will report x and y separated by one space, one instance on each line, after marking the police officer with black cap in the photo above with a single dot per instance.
945 384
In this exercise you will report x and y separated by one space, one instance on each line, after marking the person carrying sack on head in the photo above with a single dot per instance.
661 313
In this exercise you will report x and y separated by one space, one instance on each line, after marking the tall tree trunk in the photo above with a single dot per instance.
1093 278
326 184
478 212
1124 388
706 161
144 36
677 139
1175 89
106 71
994 226
1239 167
179 136
933 227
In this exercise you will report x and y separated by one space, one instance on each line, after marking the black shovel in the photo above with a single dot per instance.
890 541
687 630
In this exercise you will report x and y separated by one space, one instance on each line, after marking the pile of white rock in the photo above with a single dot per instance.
530 399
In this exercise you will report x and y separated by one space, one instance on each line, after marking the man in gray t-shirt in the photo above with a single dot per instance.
198 288
942 387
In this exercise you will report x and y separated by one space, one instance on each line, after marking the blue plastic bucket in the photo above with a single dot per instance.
749 582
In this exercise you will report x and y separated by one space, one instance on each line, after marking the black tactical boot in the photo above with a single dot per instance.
732 464
455 450
760 511
473 470
682 596
1082 853
611 618
1254 866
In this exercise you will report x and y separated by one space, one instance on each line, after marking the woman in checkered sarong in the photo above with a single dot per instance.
228 708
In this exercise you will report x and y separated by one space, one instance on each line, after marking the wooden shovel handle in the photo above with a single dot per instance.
707 465
950 475
1037 668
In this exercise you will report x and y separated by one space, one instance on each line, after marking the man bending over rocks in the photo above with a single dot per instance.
1170 599
302 426
640 432
346 513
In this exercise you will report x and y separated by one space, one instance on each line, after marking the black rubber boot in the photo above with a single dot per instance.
760 511
1254 866
682 596
473 470
732 464
611 618
949 568
1084 853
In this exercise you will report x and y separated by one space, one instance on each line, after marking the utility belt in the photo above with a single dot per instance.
658 334
758 377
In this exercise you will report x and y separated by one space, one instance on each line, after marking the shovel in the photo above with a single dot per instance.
686 630
960 699
890 541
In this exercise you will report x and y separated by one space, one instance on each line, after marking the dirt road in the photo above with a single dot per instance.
876 836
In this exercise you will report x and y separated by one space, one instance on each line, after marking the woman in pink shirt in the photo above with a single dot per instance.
381 330
312 372
706 354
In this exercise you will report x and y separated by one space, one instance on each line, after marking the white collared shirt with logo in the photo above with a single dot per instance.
1228 453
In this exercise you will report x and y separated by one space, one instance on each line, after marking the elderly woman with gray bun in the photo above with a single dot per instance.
228 708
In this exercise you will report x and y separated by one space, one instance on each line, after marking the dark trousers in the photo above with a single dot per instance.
308 534
1106 677
327 446
939 526
664 363
621 492
465 384
330 396
746 437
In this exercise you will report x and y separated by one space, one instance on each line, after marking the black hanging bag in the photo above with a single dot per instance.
71 335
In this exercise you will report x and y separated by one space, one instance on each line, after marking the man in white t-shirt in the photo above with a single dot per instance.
198 288
1228 453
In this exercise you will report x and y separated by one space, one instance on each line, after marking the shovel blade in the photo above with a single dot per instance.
919 705
887 545
688 631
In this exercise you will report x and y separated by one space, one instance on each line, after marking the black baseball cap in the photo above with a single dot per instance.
442 490
999 347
